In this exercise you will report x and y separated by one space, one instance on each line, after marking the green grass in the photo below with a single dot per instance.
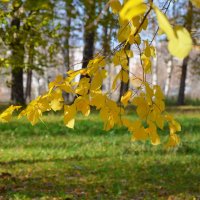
172 101
52 162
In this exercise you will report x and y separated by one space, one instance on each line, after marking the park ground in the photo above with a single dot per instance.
50 161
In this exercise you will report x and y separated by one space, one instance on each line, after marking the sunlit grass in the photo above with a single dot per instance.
50 161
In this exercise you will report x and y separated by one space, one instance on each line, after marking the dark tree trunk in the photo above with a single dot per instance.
29 85
29 73
89 36
124 86
17 94
17 62
88 51
188 25
181 94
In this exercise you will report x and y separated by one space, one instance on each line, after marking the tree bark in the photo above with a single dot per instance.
188 25
17 94
181 94
89 36
29 85
88 50
29 73
17 62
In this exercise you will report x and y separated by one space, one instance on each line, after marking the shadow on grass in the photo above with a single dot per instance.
113 179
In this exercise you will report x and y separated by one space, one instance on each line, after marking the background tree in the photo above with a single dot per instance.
188 24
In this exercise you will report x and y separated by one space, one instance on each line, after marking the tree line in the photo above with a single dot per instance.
35 31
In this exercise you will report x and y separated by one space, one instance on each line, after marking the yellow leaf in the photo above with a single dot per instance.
173 141
124 76
109 123
115 81
181 45
43 103
66 87
5 1
69 115
135 39
146 64
143 109
95 64
149 91
158 92
160 121
98 100
96 81
153 51
174 127
83 86
124 33
125 98
72 74
127 123
131 9
180 42
196 3
115 5
107 118
7 114
159 105
58 80
147 50
129 53
34 115
138 132
145 24
164 24
82 104
152 130
56 105
70 123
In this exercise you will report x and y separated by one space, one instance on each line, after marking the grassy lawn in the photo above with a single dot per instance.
52 162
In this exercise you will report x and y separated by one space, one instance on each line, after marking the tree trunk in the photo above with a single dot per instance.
29 74
29 85
188 25
88 50
181 94
89 36
17 62
17 94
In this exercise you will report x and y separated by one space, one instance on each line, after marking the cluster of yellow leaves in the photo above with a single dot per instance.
130 17
148 100
150 109
121 59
